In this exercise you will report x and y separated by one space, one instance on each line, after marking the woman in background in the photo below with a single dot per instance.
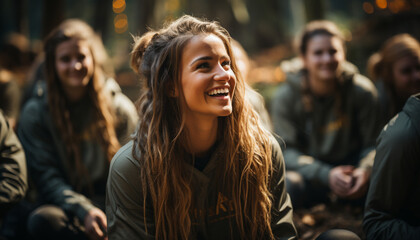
326 116
395 69
71 132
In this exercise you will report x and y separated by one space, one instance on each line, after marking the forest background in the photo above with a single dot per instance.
265 28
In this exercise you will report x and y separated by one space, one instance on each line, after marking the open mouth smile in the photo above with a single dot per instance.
219 92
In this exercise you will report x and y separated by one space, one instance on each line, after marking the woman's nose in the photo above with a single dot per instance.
327 57
77 65
221 74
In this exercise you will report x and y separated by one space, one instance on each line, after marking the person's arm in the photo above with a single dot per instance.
285 114
44 163
367 118
367 113
124 199
10 101
282 211
13 175
393 175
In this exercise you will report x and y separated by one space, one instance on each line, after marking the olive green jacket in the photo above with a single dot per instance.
213 217
13 175
327 136
47 156
393 201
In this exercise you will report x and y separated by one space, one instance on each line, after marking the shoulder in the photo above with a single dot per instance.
399 133
363 86
290 89
124 167
124 158
33 111
276 153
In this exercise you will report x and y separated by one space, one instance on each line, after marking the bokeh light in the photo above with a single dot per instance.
368 7
382 4
120 23
397 6
118 6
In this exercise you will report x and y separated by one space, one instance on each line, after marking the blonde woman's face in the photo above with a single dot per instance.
74 64
323 56
406 73
207 79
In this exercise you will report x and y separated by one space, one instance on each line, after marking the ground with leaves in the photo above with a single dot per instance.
320 218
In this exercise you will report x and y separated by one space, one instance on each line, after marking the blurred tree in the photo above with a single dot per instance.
53 15
19 16
145 15
101 16
315 9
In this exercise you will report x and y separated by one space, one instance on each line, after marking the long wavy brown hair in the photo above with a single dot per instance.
161 139
58 102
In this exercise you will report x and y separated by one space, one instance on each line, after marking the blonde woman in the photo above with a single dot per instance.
200 166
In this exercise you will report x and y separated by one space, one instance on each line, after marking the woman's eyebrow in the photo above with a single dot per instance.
201 59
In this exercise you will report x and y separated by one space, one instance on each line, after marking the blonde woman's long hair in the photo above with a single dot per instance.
161 137
58 103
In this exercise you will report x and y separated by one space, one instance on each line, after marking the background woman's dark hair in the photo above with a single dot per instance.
315 28
103 116
162 140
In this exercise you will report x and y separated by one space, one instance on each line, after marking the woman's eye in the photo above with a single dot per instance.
203 65
226 63
65 58
406 71
318 53
81 57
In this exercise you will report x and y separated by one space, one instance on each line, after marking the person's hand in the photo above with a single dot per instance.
341 180
95 224
361 182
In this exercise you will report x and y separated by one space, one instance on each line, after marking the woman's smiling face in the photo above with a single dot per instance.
74 64
207 79
323 56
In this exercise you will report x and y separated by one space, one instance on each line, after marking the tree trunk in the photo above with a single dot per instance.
53 15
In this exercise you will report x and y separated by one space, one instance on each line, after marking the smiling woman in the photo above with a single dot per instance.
71 133
396 72
327 117
207 79
200 165
74 64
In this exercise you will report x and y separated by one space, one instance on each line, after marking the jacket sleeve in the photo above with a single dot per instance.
282 211
124 200
46 167
394 172
285 109
13 175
